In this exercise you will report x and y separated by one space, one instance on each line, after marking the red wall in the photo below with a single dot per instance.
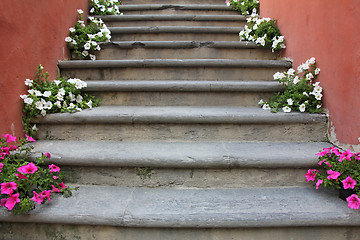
32 33
329 31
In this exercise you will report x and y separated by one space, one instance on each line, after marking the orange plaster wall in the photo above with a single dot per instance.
32 33
329 31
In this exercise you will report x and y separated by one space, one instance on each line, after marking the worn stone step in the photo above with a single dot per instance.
198 9
182 92
175 33
174 69
183 50
174 123
174 20
148 213
183 164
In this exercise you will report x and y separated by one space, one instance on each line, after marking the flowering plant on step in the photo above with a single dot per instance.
60 95
84 39
105 7
245 7
262 31
301 92
25 182
338 170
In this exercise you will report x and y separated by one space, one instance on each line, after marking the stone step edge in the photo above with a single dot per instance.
168 17
175 29
181 44
220 155
148 63
179 115
193 208
141 7
181 86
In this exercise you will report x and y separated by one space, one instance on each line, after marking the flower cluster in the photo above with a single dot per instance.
105 7
340 170
245 7
60 95
24 182
84 39
263 32
301 92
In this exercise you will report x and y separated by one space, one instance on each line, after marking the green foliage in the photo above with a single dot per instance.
105 7
245 7
56 96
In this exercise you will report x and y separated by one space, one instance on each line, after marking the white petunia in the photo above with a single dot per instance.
72 97
79 99
47 94
58 104
291 71
89 104
29 82
302 107
296 80
278 76
39 105
309 76
43 112
286 109
261 102
24 96
266 107
57 82
85 53
317 71
72 29
87 46
61 91
48 105
68 39
80 11
38 93
290 101
28 100
92 57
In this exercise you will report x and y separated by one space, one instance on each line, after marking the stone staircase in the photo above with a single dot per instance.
178 148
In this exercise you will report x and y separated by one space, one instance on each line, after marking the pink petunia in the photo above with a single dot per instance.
1 166
349 183
29 139
8 188
29 168
20 176
56 190
62 185
48 155
2 202
46 194
333 174
9 138
310 175
346 155
323 153
11 201
319 182
353 201
54 168
37 198
336 151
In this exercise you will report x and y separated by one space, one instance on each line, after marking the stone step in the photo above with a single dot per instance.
174 20
198 9
182 92
175 33
182 50
175 123
132 2
174 69
183 164
95 212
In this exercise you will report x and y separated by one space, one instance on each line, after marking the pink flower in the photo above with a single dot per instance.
48 155
8 188
55 177
323 153
333 174
346 155
54 168
21 176
62 185
29 168
37 198
29 139
324 161
1 166
349 183
11 201
46 194
319 182
9 138
353 201
310 175
55 189
336 151
2 202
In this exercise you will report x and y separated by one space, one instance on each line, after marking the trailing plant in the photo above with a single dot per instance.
301 92
105 7
245 7
84 39
60 95
340 170
25 182
263 31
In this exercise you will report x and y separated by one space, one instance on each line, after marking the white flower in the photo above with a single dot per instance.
302 107
286 109
317 87
71 96
278 76
34 128
29 82
261 102
28 100
255 27
31 91
64 104
80 11
24 96
317 71
266 107
291 71
85 53
317 95
92 10
47 94
309 76
72 29
290 101
305 94
48 105
89 104
71 106
296 80
92 57
87 46
58 104
98 48
39 105
43 112
61 92
68 39
38 93
318 106
311 60
261 40
57 82
79 99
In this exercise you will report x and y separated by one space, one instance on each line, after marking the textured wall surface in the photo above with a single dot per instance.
32 33
327 30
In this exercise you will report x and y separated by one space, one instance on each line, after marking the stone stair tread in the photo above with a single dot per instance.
194 208
144 63
174 29
179 114
220 155
137 7
181 44
171 17
182 86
